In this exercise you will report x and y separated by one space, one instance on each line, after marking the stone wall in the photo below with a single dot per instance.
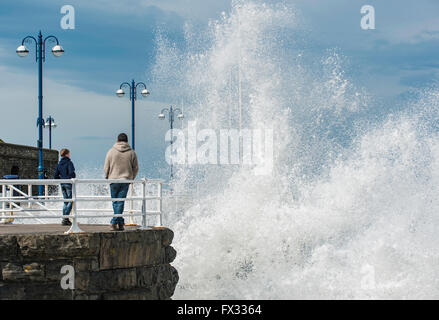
108 265
26 158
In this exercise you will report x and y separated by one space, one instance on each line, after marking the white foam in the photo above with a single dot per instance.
350 210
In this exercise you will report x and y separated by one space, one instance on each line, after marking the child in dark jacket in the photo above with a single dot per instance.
66 170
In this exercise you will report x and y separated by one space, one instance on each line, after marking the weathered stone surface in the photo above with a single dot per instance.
26 158
146 276
86 264
135 294
8 246
132 250
167 236
33 291
14 272
80 295
170 254
12 291
107 280
108 265
167 278
48 245
53 268
46 291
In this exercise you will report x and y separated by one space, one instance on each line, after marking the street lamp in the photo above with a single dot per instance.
133 97
171 114
40 53
50 123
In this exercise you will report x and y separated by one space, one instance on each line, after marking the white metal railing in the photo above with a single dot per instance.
36 207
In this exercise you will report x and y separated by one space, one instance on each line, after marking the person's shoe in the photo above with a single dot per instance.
66 222
121 228
114 227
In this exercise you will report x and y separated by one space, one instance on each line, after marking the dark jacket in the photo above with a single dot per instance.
65 169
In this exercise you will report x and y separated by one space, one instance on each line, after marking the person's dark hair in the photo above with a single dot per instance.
64 152
15 170
122 138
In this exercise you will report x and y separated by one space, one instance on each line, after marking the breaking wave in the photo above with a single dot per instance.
350 209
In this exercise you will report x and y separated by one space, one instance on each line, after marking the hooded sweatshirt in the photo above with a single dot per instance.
121 162
65 169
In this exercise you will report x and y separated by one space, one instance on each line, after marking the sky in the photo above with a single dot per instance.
113 42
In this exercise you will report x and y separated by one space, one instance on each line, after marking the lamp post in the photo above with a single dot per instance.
171 114
40 52
133 97
50 123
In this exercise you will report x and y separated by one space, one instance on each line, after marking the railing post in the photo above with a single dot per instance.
159 191
29 191
131 205
3 203
143 226
74 228
10 206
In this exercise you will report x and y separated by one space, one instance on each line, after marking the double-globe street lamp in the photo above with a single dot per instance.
133 97
40 52
50 123
171 116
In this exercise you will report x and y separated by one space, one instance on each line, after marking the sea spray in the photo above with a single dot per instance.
350 209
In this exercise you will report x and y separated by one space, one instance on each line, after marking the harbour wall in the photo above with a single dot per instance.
106 265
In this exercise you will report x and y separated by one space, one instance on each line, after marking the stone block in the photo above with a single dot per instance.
107 280
84 295
167 235
53 268
60 246
86 264
135 294
121 251
9 248
47 291
146 276
12 291
170 254
27 272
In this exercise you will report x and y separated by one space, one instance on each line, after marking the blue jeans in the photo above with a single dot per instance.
118 190
67 194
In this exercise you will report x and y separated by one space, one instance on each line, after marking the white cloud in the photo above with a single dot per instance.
191 8
396 21
184 8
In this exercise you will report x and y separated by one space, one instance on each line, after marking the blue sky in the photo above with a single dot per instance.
114 42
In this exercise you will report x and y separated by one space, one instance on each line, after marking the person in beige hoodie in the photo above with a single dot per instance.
120 163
